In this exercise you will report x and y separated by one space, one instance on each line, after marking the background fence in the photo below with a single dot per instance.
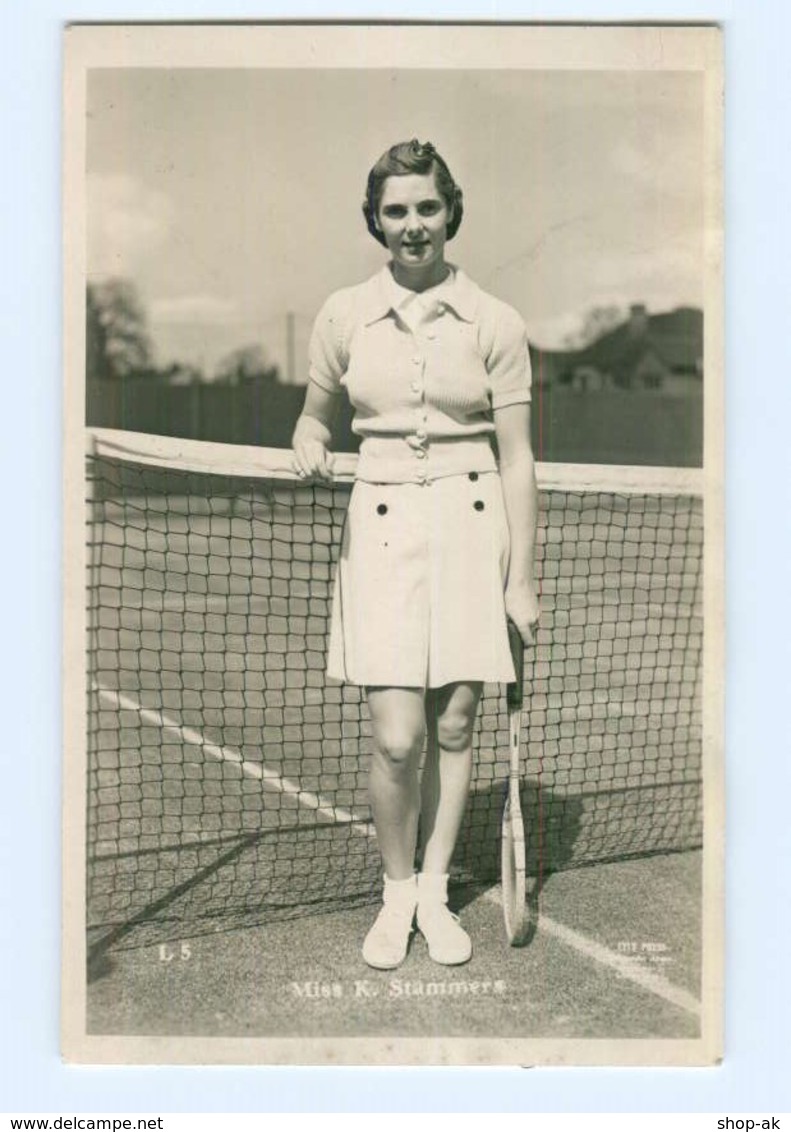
605 427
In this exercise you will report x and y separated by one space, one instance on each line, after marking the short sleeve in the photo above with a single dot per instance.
327 353
508 360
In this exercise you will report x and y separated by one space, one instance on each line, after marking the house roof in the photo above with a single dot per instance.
675 337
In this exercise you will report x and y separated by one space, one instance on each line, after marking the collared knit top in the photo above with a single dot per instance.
424 372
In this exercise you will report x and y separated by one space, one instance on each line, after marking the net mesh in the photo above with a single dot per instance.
226 778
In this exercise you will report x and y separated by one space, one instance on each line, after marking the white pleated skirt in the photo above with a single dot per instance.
419 590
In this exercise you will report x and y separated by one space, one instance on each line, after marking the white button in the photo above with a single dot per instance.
431 334
417 360
421 455
415 387
421 434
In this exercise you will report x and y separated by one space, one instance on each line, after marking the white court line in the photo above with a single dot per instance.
624 966
227 754
589 948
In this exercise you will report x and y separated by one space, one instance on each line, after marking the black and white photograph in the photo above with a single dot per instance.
393 545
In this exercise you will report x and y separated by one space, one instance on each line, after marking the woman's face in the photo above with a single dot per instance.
414 220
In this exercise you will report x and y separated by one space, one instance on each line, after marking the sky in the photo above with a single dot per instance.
232 197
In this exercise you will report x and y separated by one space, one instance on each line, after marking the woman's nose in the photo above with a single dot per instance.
413 222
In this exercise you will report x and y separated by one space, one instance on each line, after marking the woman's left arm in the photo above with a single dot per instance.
518 475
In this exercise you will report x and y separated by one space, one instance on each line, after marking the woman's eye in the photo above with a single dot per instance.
398 212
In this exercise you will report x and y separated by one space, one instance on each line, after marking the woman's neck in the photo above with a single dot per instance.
420 279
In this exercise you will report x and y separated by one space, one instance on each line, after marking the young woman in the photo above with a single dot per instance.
439 540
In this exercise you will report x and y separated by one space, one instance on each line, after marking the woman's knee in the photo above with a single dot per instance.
454 730
398 747
455 707
399 726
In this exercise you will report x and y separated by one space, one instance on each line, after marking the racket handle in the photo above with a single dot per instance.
515 692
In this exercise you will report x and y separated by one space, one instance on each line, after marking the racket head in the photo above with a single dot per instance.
513 875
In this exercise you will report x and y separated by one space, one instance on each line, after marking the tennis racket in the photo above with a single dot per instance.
512 846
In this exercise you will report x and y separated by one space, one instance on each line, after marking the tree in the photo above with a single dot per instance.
117 341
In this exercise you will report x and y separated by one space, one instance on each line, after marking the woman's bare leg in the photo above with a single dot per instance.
399 727
446 777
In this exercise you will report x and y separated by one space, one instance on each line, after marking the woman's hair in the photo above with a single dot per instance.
411 157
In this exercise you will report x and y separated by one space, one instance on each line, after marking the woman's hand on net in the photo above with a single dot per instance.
522 606
311 458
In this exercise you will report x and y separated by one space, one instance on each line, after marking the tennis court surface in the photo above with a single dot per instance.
226 793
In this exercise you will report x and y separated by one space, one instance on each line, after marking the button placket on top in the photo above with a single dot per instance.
429 331
418 440
423 328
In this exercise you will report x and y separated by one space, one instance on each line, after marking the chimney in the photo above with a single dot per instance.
638 320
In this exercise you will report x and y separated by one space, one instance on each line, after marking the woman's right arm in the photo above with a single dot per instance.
313 433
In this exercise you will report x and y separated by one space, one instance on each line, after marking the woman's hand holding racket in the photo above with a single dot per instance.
522 607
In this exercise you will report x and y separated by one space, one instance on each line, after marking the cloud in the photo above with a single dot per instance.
660 275
673 270
127 223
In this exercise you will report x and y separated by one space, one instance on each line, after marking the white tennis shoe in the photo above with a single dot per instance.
386 944
448 943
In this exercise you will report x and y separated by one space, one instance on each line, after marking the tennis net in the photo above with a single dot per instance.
226 775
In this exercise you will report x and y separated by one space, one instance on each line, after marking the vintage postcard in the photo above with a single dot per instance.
393 557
